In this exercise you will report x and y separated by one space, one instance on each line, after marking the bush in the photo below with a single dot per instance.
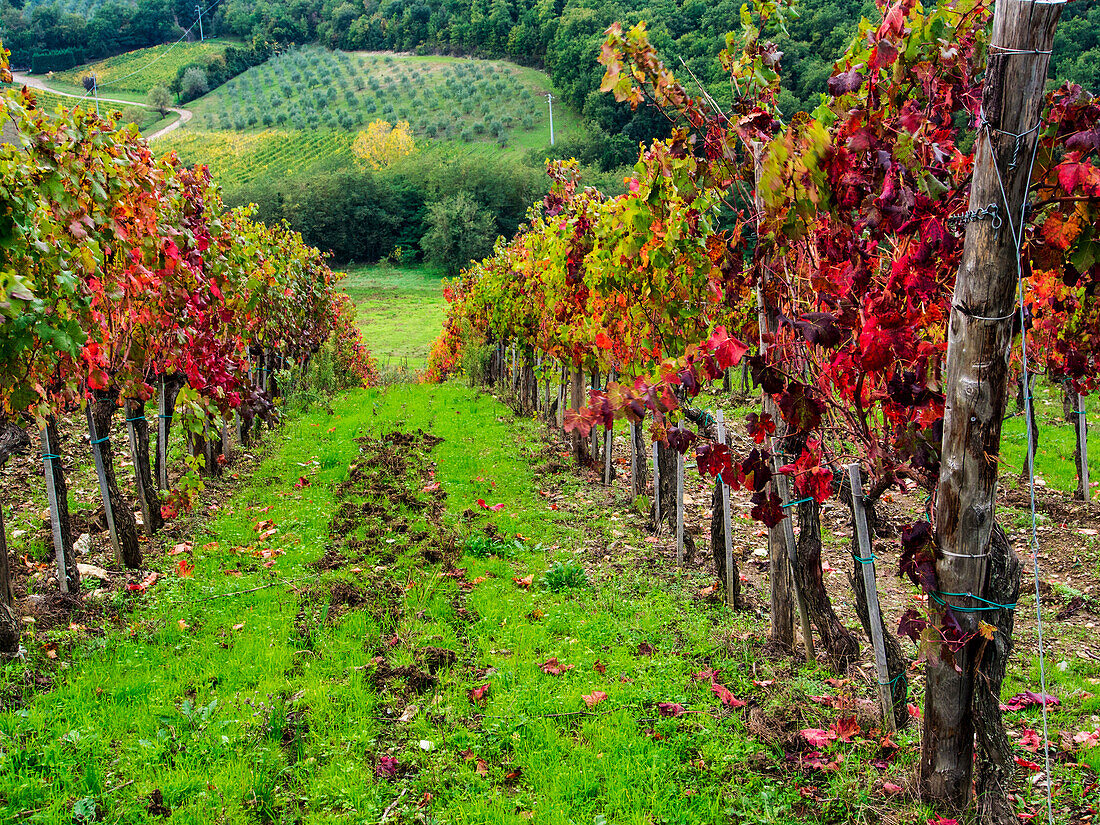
459 231
194 83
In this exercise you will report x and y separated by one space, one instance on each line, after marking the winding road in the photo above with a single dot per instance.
37 83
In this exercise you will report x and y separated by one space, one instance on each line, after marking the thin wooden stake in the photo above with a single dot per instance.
146 509
874 612
101 472
608 449
782 487
679 509
48 457
1083 448
656 489
162 436
727 528
633 465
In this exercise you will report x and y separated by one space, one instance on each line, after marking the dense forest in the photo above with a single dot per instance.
562 36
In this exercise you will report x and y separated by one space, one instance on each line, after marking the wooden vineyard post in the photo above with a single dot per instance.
633 467
162 435
48 458
595 434
135 456
679 509
101 473
782 488
656 488
1082 448
981 330
608 451
560 419
874 612
726 525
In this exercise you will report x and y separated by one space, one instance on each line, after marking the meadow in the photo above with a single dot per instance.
400 311
441 98
139 71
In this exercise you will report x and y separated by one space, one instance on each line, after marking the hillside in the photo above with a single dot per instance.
443 98
140 70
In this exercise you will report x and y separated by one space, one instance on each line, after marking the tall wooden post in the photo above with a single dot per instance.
979 339
1081 453
781 582
727 527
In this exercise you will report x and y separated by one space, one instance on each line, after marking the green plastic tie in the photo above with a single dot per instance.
800 501
937 597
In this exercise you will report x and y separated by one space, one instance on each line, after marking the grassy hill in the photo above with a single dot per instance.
441 97
139 71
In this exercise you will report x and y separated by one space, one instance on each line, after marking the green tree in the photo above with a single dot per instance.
194 83
160 100
459 231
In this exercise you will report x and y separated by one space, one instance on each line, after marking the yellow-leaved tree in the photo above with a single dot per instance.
382 144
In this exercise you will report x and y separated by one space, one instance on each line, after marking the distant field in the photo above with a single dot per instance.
442 98
237 158
136 72
401 311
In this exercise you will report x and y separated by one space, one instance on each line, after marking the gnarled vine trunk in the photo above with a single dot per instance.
841 646
61 489
12 438
143 474
104 403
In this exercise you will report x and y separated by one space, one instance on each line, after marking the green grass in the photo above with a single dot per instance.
266 706
1057 439
139 71
401 311
471 101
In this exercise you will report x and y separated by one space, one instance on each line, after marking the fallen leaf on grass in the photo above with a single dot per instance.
646 649
817 737
599 667
183 625
704 675
51 650
554 668
430 487
184 569
478 695
671 709
386 767
301 482
846 728
594 698
728 699
1026 763
234 573
1027 699
1029 740
891 788
182 547
239 626
525 581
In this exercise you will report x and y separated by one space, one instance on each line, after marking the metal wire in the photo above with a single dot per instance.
1017 240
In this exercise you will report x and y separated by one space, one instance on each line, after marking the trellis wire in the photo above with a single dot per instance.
1017 233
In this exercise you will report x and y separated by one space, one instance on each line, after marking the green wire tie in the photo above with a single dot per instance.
139 418
101 440
800 501
861 560
890 684
51 457
936 596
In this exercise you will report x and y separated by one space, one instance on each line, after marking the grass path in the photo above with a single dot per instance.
352 687
401 311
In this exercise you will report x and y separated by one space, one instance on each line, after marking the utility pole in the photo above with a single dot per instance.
198 8
550 103
980 336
